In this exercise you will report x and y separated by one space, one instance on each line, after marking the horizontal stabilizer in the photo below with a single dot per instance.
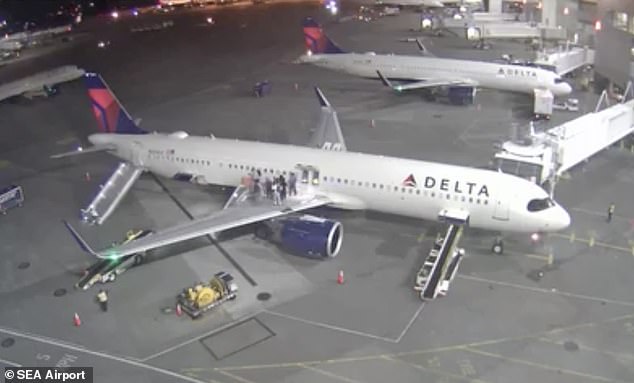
94 149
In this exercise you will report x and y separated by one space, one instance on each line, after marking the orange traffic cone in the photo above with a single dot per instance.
296 86
88 176
76 320
340 277
179 310
372 124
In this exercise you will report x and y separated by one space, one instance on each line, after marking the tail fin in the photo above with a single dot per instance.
316 40
109 113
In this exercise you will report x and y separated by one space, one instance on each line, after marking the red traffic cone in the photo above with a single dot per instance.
88 176
340 277
372 124
179 310
76 320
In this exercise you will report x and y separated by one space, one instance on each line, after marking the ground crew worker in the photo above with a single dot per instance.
610 212
102 298
292 184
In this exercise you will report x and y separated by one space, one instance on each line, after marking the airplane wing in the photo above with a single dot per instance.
92 149
424 83
233 216
38 81
327 135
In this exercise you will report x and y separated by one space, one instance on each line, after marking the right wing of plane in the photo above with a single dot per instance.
328 134
234 216
432 83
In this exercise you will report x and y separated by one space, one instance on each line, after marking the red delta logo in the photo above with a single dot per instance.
410 181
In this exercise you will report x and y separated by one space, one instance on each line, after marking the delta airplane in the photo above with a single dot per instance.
418 72
328 175
40 84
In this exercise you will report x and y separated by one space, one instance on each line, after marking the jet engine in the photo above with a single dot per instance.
305 235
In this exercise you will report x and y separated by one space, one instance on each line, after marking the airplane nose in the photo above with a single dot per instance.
561 219
565 89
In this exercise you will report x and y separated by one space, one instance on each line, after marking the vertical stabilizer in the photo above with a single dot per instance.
111 116
316 40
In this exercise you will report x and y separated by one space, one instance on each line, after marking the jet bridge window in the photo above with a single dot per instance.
539 204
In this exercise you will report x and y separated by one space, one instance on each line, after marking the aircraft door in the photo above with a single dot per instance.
501 211
138 153
308 176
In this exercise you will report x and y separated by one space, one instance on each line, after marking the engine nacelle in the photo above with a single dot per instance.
305 235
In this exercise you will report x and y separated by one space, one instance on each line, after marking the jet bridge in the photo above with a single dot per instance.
565 59
545 156
111 193
442 262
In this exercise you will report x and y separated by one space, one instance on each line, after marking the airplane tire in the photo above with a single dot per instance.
497 248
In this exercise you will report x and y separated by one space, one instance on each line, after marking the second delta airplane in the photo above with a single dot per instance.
328 175
417 72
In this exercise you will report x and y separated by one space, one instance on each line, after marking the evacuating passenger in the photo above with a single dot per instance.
292 184
268 187
282 183
256 182
276 192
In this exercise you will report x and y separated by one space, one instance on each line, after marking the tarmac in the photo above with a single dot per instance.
559 310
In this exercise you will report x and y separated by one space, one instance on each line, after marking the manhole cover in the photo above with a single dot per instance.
264 296
24 265
7 342
571 346
60 292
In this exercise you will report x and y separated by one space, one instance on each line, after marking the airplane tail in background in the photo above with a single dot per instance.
111 116
316 40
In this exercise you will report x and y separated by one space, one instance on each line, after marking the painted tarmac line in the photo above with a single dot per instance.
547 291
329 374
10 363
196 338
411 322
37 338
331 327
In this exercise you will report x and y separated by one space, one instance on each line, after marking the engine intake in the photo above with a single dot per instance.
305 235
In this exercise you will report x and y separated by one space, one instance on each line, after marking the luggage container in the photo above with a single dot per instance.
10 197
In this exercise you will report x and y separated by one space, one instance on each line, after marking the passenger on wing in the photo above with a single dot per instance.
276 192
292 184
282 183
268 187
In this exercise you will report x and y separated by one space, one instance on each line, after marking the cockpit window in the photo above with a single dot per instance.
558 80
540 204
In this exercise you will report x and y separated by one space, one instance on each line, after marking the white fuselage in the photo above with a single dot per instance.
418 189
512 78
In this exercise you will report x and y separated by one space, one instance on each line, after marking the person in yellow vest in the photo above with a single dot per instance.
102 298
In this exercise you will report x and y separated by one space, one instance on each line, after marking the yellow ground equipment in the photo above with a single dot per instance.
201 297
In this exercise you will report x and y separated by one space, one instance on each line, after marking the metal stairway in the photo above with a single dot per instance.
441 264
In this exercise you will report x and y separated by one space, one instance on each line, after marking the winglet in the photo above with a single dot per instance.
322 99
384 80
84 246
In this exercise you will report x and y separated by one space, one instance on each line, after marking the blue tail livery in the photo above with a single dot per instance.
111 116
316 40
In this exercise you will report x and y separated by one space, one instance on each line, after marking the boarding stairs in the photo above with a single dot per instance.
441 264
111 193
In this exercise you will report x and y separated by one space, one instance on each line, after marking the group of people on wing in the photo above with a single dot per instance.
276 188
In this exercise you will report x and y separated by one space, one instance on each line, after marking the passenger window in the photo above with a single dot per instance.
471 200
